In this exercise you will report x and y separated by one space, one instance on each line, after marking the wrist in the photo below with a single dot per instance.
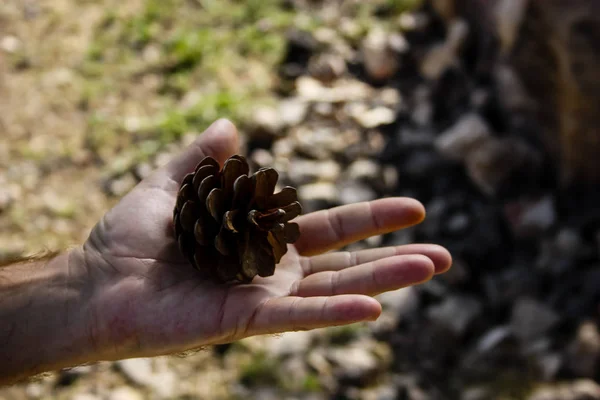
44 309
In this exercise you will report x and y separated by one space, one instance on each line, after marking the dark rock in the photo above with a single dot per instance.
462 139
456 313
531 218
532 319
493 162
300 47
503 287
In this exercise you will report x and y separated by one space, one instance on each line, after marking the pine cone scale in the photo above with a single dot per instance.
203 173
291 211
265 181
287 196
291 232
208 161
242 191
208 184
188 216
215 202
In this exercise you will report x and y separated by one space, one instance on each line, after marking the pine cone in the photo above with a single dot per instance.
232 226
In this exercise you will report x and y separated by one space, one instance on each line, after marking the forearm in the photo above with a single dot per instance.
43 316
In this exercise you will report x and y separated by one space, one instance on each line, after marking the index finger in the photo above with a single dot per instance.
326 230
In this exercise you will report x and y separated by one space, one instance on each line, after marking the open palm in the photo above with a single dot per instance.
149 300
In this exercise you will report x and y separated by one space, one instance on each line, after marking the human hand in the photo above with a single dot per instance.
147 300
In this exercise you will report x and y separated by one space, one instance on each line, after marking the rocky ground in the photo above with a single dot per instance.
360 103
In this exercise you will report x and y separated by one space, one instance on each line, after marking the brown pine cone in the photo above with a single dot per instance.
232 226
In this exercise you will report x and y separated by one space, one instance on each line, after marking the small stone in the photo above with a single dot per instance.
289 343
294 371
262 158
479 98
34 390
10 44
342 91
133 124
493 161
456 312
583 354
375 117
353 362
511 93
531 319
568 243
390 97
435 288
364 169
374 241
325 191
531 218
586 389
121 186
549 365
398 43
125 393
85 396
509 15
163 159
356 192
445 9
422 114
458 223
57 205
151 373
492 338
390 177
413 21
540 216
381 61
267 120
316 360
143 170
407 138
442 56
293 111
476 393
283 148
320 142
303 171
327 67
138 370
6 200
438 59
463 137
324 109
582 389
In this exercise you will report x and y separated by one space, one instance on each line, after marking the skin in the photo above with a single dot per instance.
128 292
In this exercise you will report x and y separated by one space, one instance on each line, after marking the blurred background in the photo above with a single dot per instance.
486 111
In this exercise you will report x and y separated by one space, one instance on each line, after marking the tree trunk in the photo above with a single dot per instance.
554 47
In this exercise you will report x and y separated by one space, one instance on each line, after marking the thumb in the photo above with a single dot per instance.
219 141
